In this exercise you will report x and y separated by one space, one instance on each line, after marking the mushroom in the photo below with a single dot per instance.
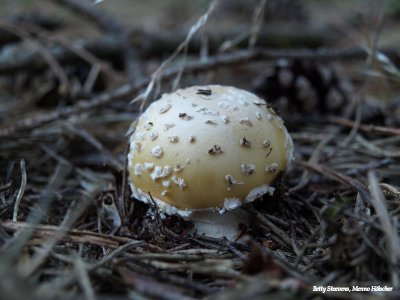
203 151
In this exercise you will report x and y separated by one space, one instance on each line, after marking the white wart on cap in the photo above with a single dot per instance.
207 147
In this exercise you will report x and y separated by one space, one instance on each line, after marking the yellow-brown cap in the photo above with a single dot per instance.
207 147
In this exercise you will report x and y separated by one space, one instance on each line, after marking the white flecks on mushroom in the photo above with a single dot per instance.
271 168
247 169
130 159
188 161
231 203
243 102
179 181
269 117
231 98
137 170
153 134
139 136
160 172
192 139
206 111
271 110
173 139
148 125
258 102
225 119
231 181
226 105
245 142
169 209
178 167
245 121
148 166
258 115
259 191
266 144
216 149
211 122
185 116
166 183
157 151
164 193
136 146
165 108
168 126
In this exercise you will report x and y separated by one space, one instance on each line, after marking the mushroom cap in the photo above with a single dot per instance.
207 147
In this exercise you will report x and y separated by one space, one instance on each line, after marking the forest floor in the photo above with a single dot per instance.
69 70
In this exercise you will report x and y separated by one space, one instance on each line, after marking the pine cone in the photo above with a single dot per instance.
392 113
303 87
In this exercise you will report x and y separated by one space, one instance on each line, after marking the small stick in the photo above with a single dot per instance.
365 127
71 235
20 191
339 177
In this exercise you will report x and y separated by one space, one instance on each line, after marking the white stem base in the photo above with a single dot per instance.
214 224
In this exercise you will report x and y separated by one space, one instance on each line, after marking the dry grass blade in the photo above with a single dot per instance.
387 65
70 218
71 236
365 127
39 212
150 287
76 49
84 280
391 234
89 138
158 74
100 18
20 191
305 177
258 19
43 51
279 232
360 100
390 191
375 150
348 181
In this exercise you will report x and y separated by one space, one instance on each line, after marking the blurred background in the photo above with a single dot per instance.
130 39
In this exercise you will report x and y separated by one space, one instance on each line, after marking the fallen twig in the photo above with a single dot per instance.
365 127
71 235
339 177
114 27
20 191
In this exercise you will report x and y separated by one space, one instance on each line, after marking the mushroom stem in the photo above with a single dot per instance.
217 225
